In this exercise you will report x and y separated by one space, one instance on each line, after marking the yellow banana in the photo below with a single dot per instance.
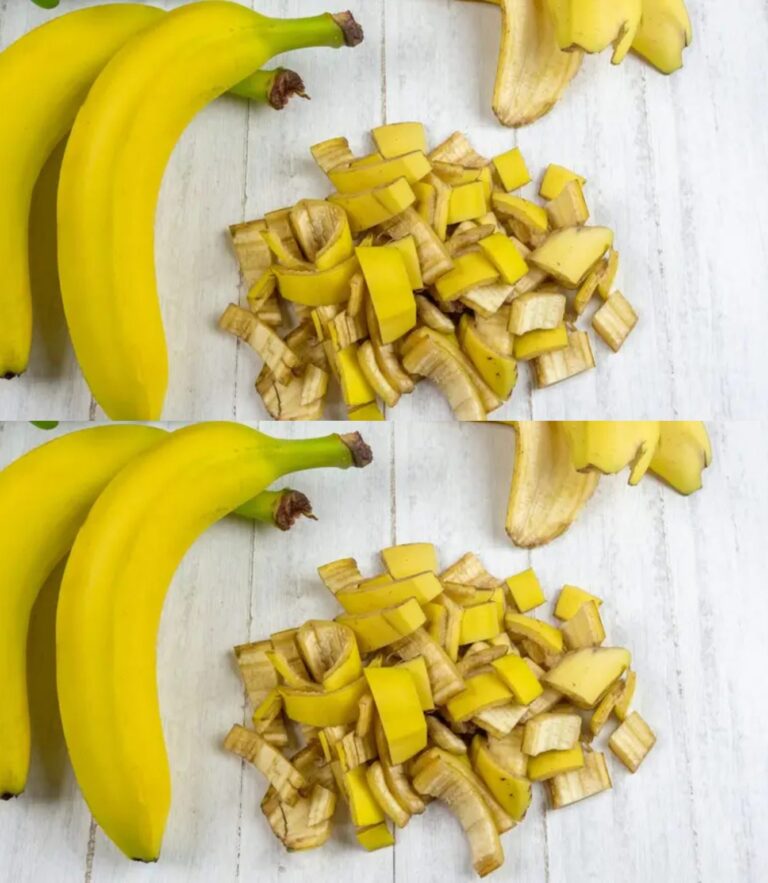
112 595
683 453
665 31
593 25
547 491
47 493
112 171
44 78
533 71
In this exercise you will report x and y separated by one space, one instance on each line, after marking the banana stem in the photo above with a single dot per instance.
335 451
334 30
275 87
279 508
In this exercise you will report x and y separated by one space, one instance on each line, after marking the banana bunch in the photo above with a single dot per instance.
543 43
125 502
129 78
558 465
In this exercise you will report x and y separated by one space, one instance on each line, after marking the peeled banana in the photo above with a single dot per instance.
39 108
112 171
111 598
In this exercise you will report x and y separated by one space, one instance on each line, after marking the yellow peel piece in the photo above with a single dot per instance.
684 451
533 71
322 231
390 290
511 169
433 255
469 271
593 25
382 627
410 559
323 709
412 166
553 763
570 600
665 31
525 590
557 365
555 179
517 675
377 783
568 255
423 587
498 371
547 492
480 692
363 806
585 676
354 384
610 446
368 208
501 252
479 622
316 288
512 792
547 636
397 139
467 201
417 669
399 709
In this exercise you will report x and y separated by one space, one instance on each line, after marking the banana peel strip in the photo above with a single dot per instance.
547 492
439 779
276 769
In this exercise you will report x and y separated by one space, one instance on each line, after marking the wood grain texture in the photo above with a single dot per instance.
683 584
675 166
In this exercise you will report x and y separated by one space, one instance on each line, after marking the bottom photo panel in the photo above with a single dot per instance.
383 651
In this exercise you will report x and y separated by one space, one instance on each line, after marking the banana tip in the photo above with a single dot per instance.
286 84
9 375
292 505
353 32
8 795
362 455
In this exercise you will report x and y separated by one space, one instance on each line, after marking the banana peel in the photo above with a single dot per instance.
438 778
683 452
547 491
665 32
593 25
610 445
533 71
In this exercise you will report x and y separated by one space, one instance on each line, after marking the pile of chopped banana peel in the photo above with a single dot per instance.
434 685
424 264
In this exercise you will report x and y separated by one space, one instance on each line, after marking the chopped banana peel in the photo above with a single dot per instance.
389 721
683 452
611 446
425 263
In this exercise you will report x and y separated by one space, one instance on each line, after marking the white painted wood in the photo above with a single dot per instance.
675 166
682 581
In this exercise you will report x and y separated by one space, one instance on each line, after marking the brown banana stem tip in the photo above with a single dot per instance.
285 85
292 505
9 375
362 455
8 796
353 33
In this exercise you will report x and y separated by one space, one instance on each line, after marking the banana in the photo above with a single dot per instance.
48 492
683 452
611 445
593 25
547 492
38 110
112 170
665 31
533 71
111 598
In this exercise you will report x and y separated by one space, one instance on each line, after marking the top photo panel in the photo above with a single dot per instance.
413 210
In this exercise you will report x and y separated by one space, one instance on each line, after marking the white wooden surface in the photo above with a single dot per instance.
675 165
684 583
